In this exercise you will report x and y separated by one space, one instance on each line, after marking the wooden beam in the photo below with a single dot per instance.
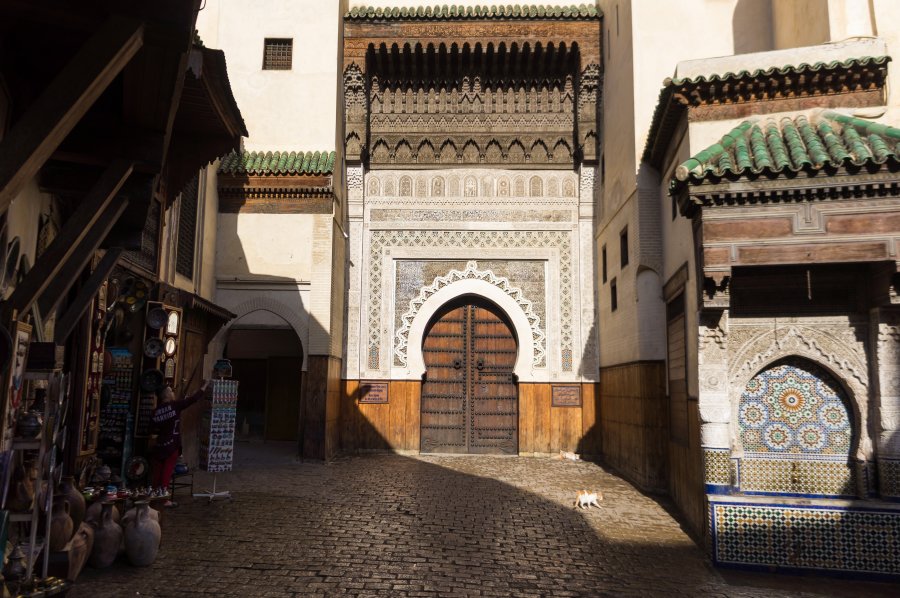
67 322
74 231
62 282
65 101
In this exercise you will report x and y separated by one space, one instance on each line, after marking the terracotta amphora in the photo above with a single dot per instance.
61 527
93 512
107 538
142 536
132 513
80 549
77 506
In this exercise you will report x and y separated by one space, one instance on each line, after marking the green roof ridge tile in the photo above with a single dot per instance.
796 147
858 148
742 154
760 148
778 149
278 162
725 162
836 149
814 146
880 149
695 165
776 70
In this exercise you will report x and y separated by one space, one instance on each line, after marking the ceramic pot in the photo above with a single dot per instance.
92 515
132 513
77 506
107 539
80 549
61 527
142 536
28 425
15 565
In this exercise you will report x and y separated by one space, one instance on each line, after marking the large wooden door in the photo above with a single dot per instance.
469 395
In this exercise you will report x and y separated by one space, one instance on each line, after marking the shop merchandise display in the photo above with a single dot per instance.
217 443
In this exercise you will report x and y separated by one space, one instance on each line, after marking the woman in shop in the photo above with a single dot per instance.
166 422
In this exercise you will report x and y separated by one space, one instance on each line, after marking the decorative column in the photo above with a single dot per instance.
713 401
887 391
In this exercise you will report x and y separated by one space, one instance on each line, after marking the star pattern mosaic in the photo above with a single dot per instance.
794 408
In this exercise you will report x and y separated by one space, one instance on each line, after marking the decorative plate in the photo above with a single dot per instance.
153 347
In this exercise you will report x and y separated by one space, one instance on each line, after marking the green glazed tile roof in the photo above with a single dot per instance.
742 86
791 144
789 69
277 163
441 12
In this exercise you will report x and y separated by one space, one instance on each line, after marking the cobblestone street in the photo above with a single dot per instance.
392 525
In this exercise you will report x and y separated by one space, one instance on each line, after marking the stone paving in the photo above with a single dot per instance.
391 525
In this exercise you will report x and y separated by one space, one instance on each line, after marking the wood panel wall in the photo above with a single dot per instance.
634 422
395 425
686 474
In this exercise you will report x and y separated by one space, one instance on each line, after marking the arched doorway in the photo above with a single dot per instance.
469 394
267 358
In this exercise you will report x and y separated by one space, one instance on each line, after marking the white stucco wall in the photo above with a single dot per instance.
283 110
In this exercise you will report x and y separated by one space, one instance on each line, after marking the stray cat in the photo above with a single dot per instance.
586 499
569 456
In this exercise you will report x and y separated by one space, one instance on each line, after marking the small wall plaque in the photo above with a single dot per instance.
373 392
566 395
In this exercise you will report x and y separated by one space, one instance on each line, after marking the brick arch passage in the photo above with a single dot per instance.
296 320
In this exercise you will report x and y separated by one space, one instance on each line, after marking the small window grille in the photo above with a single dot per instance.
603 263
613 295
278 54
187 229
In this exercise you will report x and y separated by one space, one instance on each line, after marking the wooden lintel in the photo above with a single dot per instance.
81 256
74 231
65 101
69 320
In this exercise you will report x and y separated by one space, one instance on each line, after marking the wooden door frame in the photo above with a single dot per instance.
471 299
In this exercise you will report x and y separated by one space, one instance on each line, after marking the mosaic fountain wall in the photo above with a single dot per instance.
797 485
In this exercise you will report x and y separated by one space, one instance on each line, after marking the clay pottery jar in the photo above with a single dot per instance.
92 515
77 506
28 425
142 536
132 513
80 549
107 538
61 527
15 565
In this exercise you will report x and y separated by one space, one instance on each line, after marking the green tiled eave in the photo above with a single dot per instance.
446 12
278 163
677 93
789 145
789 69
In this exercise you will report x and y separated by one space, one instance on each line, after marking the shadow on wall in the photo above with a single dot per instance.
260 254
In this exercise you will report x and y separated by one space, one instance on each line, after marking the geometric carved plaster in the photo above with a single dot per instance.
471 272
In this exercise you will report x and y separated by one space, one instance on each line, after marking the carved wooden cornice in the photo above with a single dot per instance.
471 90
829 183
275 194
